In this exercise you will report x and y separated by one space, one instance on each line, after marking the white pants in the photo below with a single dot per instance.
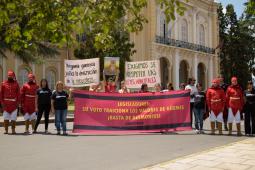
30 117
213 118
10 116
232 118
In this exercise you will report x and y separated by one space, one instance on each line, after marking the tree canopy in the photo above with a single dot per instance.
32 29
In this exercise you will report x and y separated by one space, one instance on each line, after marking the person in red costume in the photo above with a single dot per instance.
9 96
215 98
28 102
235 102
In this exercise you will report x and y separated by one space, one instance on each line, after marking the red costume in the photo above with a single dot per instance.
234 97
215 98
10 94
28 94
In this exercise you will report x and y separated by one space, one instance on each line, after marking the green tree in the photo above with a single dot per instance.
30 28
237 50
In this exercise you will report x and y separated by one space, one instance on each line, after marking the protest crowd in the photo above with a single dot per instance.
223 104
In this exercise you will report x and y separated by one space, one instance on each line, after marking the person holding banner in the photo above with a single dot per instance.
192 88
10 95
157 87
123 88
235 102
110 83
59 107
215 98
29 102
144 88
182 86
43 98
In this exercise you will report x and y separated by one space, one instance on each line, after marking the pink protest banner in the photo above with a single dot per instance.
113 113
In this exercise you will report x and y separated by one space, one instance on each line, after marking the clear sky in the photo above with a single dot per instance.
238 4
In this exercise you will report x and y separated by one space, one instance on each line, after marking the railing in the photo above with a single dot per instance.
183 44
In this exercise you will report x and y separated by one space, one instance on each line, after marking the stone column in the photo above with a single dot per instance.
176 69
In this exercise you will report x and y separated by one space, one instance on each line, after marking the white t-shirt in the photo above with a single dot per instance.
193 89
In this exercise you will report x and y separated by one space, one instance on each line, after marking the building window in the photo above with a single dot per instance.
201 35
51 77
184 31
22 76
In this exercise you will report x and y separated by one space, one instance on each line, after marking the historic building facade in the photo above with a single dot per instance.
185 46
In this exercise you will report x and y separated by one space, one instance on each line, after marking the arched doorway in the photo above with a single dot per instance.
164 71
201 74
183 72
51 77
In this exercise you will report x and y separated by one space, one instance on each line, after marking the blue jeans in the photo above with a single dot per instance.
60 119
199 118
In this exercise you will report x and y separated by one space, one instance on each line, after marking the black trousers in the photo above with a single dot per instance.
43 109
249 118
191 113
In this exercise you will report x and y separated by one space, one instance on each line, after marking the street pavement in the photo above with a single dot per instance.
105 152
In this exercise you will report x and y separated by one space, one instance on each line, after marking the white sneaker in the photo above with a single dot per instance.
197 131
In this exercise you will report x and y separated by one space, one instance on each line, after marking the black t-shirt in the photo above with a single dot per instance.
249 96
60 100
44 96
199 98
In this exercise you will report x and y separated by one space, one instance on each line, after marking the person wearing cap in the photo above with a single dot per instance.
29 102
249 109
193 89
9 96
215 99
234 103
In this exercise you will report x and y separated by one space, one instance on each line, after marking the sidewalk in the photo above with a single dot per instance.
20 119
235 156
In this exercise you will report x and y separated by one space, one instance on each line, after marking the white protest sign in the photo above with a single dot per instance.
137 73
81 73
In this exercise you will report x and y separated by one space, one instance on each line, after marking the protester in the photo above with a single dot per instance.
28 102
199 108
182 86
95 88
59 107
144 88
224 86
157 87
9 96
234 102
43 97
123 88
215 98
170 87
111 82
249 109
253 77
192 88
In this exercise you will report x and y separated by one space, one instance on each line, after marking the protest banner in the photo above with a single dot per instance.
113 113
81 73
137 73
111 65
